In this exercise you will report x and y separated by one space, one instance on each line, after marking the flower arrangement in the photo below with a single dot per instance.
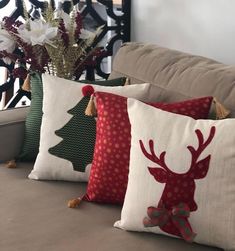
55 42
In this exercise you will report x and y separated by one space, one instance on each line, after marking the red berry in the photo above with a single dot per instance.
87 90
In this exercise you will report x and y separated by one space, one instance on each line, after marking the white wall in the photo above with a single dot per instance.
202 27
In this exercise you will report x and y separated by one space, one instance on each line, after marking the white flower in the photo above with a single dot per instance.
86 34
60 14
6 44
40 33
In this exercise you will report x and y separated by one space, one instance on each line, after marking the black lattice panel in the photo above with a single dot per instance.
114 17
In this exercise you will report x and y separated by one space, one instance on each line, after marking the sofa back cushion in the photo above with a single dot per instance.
179 76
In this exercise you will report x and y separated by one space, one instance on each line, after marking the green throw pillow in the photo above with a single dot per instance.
33 121
30 146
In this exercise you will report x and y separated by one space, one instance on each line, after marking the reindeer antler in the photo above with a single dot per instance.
194 152
152 156
201 147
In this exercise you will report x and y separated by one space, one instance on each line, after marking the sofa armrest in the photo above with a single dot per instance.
12 124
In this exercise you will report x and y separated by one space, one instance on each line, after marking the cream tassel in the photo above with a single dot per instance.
11 164
74 202
127 82
26 85
221 111
91 108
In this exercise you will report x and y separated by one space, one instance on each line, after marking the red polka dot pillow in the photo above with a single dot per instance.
181 177
109 171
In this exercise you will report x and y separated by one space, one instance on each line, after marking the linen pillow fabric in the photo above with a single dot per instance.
109 173
30 145
181 179
67 135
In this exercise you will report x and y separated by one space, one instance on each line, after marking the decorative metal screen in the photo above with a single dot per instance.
113 14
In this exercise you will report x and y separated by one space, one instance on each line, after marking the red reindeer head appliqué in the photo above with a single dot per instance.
178 194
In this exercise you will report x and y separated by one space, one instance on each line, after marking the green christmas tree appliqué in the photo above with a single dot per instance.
78 137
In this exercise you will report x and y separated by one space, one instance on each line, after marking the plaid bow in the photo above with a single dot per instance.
179 215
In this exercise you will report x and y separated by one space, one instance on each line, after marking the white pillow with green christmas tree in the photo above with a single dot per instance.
67 135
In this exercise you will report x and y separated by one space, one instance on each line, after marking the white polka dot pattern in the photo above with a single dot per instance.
108 178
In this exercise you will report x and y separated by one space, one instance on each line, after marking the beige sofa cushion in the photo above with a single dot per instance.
34 217
178 75
12 123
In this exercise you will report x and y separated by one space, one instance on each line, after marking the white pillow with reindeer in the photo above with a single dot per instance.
181 177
